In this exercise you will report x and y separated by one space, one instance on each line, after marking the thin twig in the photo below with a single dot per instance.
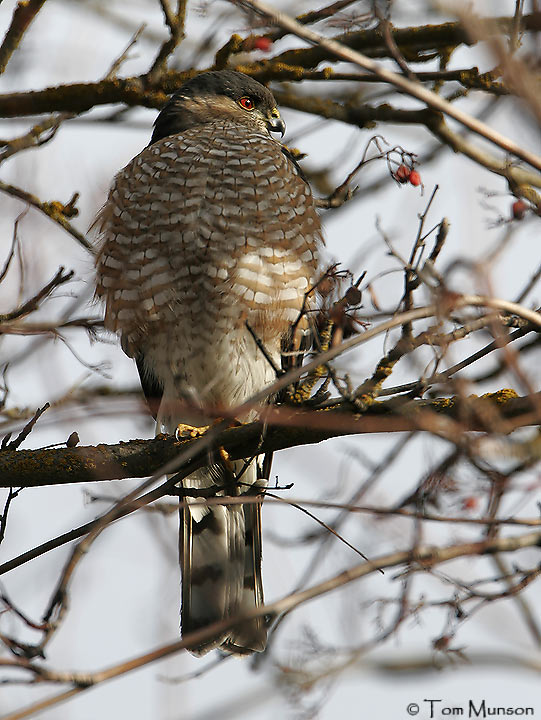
33 303
175 22
52 210
121 59
25 432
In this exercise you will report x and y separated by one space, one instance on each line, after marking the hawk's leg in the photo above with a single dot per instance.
220 456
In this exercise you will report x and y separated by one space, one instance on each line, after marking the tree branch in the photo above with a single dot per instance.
410 40
53 210
23 15
285 428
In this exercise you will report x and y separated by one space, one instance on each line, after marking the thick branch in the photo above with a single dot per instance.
286 428
134 91
80 97
410 40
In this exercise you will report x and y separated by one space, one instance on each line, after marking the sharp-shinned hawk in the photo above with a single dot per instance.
211 228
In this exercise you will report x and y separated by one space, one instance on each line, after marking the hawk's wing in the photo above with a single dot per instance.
152 387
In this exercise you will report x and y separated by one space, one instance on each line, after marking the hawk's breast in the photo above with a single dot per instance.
202 232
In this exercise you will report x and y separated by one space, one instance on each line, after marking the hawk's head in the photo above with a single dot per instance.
219 94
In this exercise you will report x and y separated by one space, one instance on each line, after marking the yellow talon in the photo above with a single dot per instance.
184 431
224 455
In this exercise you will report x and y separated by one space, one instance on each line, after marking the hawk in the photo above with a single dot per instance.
209 231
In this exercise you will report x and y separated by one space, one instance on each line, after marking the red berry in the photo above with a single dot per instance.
402 174
414 178
469 503
518 208
263 43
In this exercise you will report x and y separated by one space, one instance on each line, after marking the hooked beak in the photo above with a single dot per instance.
275 122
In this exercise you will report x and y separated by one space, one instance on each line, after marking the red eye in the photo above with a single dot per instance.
246 103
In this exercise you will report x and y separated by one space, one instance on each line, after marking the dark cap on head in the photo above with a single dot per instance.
228 83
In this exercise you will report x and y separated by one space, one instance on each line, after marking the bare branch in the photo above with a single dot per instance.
53 210
31 305
285 428
25 432
23 15
175 22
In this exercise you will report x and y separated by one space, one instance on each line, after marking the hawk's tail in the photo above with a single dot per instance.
220 560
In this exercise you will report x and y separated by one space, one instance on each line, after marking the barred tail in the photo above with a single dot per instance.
220 560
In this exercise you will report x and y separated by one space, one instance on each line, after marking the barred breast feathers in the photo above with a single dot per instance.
184 191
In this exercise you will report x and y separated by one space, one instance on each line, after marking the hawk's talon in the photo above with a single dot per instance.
184 431
225 457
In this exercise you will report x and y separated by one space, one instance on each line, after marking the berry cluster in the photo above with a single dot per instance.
404 174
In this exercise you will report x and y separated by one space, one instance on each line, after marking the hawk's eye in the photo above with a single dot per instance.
247 103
